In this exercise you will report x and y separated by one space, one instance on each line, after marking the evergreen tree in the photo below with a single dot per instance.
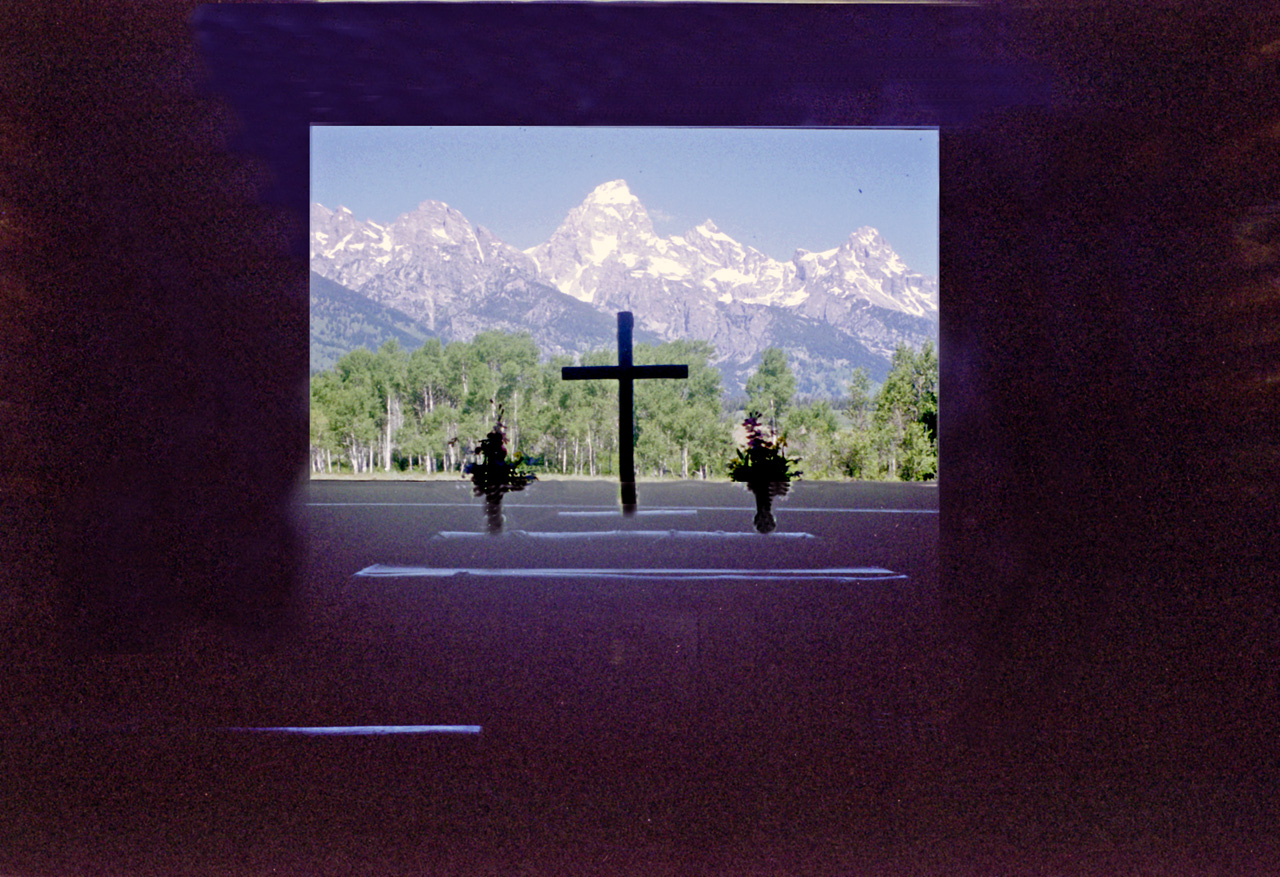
770 388
856 448
858 407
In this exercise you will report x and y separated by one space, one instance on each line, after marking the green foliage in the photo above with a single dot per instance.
770 389
425 410
859 406
345 410
906 414
811 430
919 454
893 433
857 455
681 423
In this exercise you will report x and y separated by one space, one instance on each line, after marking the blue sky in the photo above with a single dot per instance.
773 189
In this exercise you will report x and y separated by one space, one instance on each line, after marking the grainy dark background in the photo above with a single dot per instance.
1109 301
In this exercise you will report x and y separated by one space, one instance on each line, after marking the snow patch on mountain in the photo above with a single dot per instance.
662 267
602 246
613 192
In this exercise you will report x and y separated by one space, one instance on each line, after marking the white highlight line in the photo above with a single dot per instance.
386 504
607 534
363 730
831 574
616 513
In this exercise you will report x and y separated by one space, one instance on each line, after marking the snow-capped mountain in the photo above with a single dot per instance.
453 278
835 310
606 246
427 263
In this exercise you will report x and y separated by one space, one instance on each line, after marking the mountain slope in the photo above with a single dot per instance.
834 310
342 320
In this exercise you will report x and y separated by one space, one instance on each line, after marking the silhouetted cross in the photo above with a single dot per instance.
624 373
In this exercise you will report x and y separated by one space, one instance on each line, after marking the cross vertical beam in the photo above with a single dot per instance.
625 373
626 400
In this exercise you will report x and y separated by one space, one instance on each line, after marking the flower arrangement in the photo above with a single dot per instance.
764 460
493 474
764 466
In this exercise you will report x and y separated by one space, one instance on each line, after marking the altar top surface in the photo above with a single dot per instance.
681 530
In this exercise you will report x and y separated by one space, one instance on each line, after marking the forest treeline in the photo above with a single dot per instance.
424 411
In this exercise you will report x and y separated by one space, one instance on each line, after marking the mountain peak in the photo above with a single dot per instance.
854 302
710 230
612 192
865 235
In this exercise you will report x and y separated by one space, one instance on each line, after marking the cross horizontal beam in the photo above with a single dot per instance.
613 372
625 373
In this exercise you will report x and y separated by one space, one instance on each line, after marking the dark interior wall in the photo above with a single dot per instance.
153 297
1109 359
1107 483
161 199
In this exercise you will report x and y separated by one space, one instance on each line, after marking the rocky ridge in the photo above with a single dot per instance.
838 309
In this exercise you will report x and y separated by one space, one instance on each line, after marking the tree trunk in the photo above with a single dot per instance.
515 422
386 442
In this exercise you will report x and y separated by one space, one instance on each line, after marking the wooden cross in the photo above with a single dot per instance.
625 373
